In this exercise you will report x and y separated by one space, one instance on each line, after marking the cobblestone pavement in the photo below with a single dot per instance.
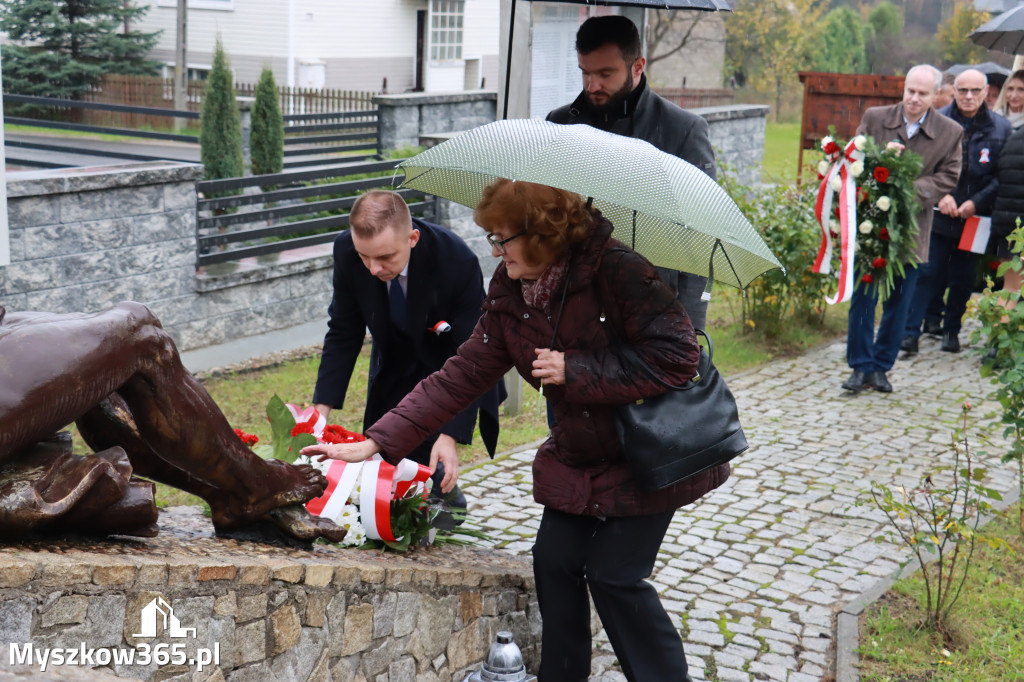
754 572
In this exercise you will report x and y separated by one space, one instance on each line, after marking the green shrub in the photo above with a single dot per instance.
221 138
784 216
266 139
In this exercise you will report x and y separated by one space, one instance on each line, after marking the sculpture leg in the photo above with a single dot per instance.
124 349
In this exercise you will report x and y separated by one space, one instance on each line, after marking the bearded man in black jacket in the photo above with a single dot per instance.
617 98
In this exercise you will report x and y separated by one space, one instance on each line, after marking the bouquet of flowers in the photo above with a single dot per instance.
380 505
867 201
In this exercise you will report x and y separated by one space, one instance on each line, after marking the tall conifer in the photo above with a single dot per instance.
221 138
266 139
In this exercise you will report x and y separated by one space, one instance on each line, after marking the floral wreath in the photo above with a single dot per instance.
875 216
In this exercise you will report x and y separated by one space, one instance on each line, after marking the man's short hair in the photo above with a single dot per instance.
376 210
948 79
596 32
935 74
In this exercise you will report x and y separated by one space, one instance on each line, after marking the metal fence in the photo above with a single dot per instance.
245 218
50 112
308 137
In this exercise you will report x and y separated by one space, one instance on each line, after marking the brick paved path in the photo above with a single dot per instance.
755 571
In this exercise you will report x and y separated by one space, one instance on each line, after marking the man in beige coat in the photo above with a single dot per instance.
915 125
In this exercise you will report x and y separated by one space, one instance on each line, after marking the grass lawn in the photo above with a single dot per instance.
984 638
781 152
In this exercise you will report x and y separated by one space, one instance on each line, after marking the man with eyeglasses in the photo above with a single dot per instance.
419 290
948 267
617 98
912 124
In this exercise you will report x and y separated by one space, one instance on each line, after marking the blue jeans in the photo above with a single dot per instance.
866 351
948 267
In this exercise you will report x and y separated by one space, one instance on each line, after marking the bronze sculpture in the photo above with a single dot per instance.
118 376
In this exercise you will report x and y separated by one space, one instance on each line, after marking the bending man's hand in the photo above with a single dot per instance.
346 452
549 366
445 451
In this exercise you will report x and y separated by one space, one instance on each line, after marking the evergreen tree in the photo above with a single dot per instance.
58 48
266 138
884 47
841 49
220 141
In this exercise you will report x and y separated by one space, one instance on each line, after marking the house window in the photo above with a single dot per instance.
446 29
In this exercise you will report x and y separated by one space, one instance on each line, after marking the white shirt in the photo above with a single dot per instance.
912 128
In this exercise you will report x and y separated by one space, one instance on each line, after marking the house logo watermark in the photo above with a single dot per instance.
159 611
157 617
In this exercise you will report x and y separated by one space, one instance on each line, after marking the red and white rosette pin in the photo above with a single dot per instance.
840 178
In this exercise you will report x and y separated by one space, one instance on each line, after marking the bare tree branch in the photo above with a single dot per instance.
664 24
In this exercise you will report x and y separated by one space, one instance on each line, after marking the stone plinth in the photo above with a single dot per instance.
269 613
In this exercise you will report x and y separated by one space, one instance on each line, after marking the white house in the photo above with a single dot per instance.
432 45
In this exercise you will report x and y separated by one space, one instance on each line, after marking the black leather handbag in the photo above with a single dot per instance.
686 430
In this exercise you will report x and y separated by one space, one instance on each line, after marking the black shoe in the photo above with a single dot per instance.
879 382
909 345
950 342
933 328
857 382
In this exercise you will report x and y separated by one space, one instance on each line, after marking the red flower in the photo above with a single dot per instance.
881 173
994 265
306 426
883 234
831 148
867 278
249 439
337 434
862 194
878 262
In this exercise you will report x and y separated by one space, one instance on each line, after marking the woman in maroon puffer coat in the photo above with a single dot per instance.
599 530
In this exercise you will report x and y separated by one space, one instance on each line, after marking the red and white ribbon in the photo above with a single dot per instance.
841 170
379 484
302 416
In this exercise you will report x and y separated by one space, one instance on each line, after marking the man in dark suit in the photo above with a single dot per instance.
616 98
912 124
419 289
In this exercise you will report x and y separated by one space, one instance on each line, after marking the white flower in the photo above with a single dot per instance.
865 227
356 536
834 225
826 141
857 167
883 203
837 184
823 167
859 141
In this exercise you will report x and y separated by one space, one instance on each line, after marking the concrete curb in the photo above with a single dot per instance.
848 618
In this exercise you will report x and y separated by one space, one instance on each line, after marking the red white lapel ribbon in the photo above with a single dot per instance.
840 177
379 484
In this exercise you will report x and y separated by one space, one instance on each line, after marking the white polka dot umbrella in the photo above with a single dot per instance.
666 209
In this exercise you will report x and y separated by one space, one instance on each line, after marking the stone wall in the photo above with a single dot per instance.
405 118
737 135
83 239
270 613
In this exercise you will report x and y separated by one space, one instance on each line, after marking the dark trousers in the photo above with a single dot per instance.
865 350
611 558
948 268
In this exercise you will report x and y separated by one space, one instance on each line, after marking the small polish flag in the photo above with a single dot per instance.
976 232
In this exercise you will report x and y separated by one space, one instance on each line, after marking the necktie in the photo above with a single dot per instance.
396 305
